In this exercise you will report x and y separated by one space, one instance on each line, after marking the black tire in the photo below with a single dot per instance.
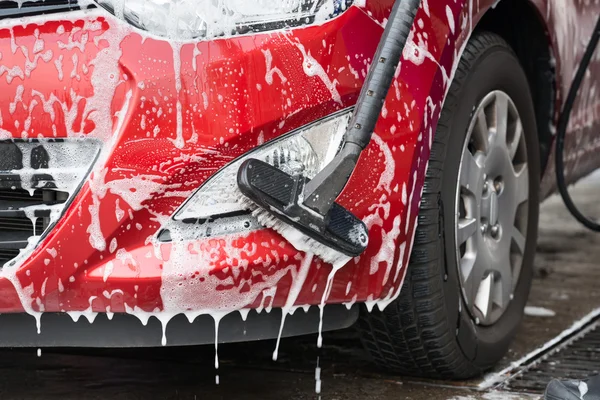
428 331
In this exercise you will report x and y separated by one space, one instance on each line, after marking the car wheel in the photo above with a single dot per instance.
471 266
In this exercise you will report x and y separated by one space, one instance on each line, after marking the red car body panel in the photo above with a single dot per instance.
170 115
569 27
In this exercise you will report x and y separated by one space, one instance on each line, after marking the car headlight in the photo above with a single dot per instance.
186 19
305 151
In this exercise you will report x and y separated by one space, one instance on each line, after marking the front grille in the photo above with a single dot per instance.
16 9
7 255
36 177
21 224
23 215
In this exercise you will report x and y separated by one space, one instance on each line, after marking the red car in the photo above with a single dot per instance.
124 123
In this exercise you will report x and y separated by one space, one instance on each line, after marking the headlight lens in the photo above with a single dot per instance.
305 151
187 19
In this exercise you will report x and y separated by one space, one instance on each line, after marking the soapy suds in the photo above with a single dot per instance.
179 141
272 70
108 269
450 18
180 296
313 68
88 313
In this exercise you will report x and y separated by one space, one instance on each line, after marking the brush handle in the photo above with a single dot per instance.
382 70
322 191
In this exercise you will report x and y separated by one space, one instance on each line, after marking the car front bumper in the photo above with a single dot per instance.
169 115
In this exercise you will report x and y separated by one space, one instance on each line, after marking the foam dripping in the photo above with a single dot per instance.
335 268
178 142
295 289
217 317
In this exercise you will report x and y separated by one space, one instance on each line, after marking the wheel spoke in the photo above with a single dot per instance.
513 145
473 268
501 108
466 228
519 239
467 263
522 184
502 291
483 132
470 173
483 298
504 280
499 297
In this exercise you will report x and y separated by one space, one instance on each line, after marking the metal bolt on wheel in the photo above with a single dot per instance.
491 198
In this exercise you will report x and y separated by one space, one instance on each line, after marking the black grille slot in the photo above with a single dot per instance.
23 195
18 211
36 176
21 224
17 199
8 254
12 9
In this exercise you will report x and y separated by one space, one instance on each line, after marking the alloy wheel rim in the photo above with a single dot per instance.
491 208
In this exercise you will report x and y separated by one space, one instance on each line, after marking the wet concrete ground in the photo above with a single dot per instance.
566 282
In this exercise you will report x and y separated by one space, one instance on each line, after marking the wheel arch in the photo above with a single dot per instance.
514 20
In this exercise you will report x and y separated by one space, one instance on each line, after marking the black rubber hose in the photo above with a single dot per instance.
381 73
321 191
563 123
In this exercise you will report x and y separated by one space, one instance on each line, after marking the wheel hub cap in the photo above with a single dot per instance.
491 208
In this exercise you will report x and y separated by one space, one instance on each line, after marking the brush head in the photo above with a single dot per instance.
279 195
300 241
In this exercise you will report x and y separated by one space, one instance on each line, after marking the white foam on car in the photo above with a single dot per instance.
313 68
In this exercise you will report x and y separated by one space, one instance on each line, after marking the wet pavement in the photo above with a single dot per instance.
566 284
